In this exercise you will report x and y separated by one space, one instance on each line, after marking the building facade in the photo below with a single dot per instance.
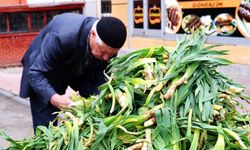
21 21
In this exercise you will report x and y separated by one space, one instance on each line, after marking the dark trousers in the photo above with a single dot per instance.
42 113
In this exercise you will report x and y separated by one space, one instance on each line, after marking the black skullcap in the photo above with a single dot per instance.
112 31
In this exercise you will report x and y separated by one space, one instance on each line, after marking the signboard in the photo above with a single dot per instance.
228 18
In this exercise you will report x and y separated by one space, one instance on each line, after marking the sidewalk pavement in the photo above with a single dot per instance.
10 79
15 112
15 119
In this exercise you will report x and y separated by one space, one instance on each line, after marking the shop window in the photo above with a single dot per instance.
36 21
3 24
138 14
169 19
106 6
18 22
146 17
154 14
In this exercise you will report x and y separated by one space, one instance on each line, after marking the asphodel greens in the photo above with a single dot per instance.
155 99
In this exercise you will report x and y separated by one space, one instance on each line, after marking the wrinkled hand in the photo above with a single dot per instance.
61 101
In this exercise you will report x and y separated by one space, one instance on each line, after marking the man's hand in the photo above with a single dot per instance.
61 101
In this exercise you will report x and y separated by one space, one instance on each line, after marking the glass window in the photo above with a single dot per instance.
50 15
105 6
18 22
3 25
138 14
154 14
77 11
36 21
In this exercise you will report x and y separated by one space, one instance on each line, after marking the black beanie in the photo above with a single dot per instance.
112 31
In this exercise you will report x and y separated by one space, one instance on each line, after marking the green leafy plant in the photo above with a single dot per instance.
155 98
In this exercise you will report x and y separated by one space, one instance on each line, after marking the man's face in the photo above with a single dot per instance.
101 51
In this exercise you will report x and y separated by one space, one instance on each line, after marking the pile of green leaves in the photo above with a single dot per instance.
155 99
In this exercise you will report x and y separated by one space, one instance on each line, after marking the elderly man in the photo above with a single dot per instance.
72 50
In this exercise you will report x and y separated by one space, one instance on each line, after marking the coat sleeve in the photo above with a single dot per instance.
50 54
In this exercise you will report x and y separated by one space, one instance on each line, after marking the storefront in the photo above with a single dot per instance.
224 22
148 25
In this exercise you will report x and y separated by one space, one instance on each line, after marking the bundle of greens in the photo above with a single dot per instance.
155 99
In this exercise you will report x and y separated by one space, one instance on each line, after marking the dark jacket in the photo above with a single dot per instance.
59 56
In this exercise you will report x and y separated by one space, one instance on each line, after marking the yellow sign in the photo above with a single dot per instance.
209 4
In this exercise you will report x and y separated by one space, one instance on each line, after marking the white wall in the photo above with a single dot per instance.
38 1
51 1
91 8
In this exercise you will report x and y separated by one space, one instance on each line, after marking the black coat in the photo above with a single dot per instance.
60 56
